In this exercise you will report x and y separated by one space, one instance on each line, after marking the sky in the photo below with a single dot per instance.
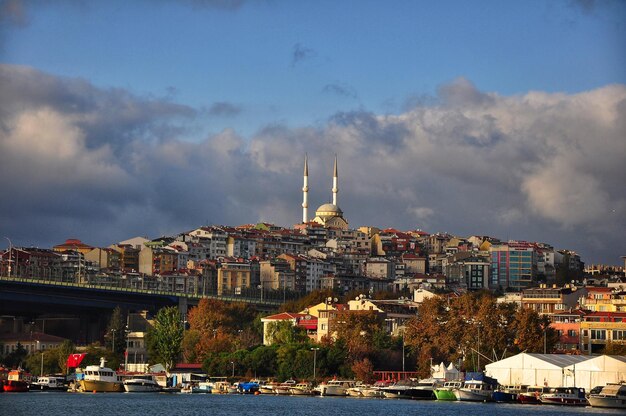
150 118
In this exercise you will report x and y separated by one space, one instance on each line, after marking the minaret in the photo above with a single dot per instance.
305 192
335 179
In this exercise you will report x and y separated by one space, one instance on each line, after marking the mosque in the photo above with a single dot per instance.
328 215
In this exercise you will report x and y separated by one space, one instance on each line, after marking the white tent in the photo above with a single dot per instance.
596 371
533 369
445 373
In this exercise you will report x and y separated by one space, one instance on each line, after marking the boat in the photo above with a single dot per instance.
566 396
532 394
46 383
220 387
248 387
100 379
476 388
402 389
375 390
268 388
613 395
141 383
508 394
335 387
302 389
425 389
446 392
283 389
16 382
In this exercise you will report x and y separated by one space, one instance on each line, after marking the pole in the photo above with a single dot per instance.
478 348
314 362
113 343
127 332
233 364
41 371
545 346
402 350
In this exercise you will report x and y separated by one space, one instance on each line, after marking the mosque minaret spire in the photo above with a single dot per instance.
335 180
305 192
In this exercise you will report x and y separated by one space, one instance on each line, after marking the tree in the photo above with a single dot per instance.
115 337
64 350
364 370
285 332
533 332
166 336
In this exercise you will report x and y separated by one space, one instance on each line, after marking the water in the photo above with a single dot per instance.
157 404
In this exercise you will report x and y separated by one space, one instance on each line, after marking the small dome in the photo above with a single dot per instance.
329 209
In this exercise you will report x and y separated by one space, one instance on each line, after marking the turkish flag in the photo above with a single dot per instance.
74 360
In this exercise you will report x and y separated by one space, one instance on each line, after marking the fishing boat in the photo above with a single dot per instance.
566 396
402 389
249 387
16 382
335 387
447 391
101 379
425 389
47 383
220 387
613 395
141 383
476 388
268 388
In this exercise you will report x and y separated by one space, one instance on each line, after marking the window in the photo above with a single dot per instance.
571 333
619 335
599 334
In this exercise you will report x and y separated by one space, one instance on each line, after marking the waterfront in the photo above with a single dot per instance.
156 404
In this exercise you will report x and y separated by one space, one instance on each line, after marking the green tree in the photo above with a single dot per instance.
285 332
165 338
115 337
64 350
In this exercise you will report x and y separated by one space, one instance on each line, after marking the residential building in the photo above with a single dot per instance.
232 277
598 328
513 265
547 300
305 321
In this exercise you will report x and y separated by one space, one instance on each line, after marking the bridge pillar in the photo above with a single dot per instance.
182 305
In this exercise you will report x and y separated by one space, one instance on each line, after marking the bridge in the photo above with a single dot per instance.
93 303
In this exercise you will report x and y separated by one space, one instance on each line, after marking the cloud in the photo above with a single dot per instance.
223 108
301 53
342 90
104 165
13 12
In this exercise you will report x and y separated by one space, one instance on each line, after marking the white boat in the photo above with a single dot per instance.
375 390
402 389
476 388
220 387
100 379
566 396
141 383
613 395
49 383
335 387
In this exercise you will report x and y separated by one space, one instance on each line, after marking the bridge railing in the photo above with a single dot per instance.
245 295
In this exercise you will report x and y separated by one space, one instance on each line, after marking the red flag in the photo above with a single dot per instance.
74 360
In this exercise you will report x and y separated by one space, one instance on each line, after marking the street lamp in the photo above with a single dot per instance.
127 333
315 350
233 364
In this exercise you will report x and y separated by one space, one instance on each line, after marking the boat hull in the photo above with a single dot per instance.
445 394
101 386
333 391
473 396
504 397
12 386
564 401
141 387
608 402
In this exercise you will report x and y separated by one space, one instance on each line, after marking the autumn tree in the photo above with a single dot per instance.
115 337
533 332
364 370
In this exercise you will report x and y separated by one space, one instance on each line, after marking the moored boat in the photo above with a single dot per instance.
375 390
533 394
476 388
565 396
249 387
335 387
283 389
447 391
16 382
613 395
302 389
141 383
45 383
100 378
425 389
508 394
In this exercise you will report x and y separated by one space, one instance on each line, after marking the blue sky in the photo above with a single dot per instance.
500 118
301 62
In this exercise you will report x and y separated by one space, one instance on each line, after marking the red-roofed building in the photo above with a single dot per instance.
305 321
74 245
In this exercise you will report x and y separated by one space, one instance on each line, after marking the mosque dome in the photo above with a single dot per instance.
329 210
